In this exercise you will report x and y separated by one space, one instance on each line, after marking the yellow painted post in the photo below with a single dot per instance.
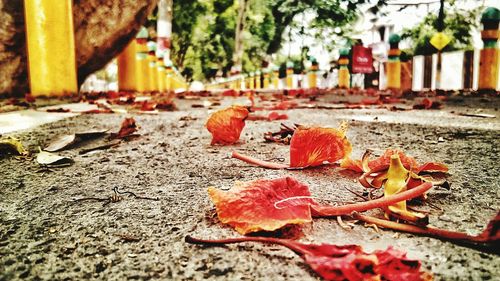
127 68
152 74
276 77
257 79
169 73
289 75
394 64
312 76
251 80
344 76
489 60
142 69
265 82
160 66
51 47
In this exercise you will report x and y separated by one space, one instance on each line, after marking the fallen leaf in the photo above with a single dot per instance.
268 205
310 147
250 206
348 262
382 163
12 145
428 104
127 128
226 125
276 116
65 141
51 159
397 182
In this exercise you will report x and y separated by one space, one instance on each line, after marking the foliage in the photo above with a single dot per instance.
458 24
204 30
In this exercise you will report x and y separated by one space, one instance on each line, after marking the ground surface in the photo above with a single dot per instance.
44 235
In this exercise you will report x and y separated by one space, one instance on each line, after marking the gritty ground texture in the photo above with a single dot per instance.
45 235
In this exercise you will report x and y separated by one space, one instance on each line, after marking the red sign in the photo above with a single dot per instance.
362 60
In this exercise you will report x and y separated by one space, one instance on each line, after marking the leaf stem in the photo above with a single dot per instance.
427 230
258 162
330 211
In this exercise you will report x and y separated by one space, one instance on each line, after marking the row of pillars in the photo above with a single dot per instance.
52 61
266 79
489 55
143 68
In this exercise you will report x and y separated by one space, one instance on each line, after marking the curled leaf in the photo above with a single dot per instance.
65 141
12 145
226 125
397 181
250 206
310 147
348 262
51 159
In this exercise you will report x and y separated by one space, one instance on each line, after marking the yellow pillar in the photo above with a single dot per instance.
142 69
489 59
312 76
126 68
51 47
393 63
168 75
152 73
251 80
276 77
289 75
344 76
160 67
265 83
257 80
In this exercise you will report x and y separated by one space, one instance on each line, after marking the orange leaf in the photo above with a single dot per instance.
314 146
251 206
226 125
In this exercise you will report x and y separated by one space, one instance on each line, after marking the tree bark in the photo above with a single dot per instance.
103 29
238 39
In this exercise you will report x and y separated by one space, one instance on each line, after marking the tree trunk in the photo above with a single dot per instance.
103 29
238 39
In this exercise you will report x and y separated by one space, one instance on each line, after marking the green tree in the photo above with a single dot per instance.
458 24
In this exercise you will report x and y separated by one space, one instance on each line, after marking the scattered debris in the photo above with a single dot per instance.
284 135
116 197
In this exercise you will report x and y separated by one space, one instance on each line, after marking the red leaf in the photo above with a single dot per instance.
314 146
251 206
226 125
348 262
276 116
128 128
